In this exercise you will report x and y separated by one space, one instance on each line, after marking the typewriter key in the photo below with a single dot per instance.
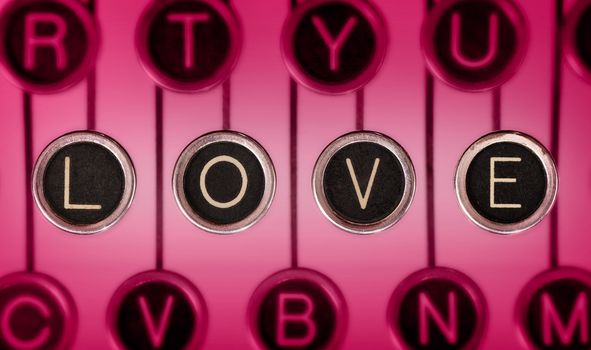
47 45
554 310
297 309
36 312
506 182
224 182
334 46
576 38
84 182
364 182
157 310
188 45
474 45
437 308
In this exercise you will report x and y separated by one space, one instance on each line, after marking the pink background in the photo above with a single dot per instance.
227 269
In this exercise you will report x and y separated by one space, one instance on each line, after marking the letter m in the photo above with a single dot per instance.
551 320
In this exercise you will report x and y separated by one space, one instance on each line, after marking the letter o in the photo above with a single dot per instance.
203 187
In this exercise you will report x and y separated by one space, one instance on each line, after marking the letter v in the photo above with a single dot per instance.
365 197
157 331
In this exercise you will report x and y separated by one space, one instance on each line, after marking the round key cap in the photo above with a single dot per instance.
334 46
297 309
576 38
36 312
506 182
47 45
157 310
474 45
224 182
188 45
364 182
553 311
84 182
437 308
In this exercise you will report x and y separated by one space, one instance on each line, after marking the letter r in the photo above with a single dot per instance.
55 40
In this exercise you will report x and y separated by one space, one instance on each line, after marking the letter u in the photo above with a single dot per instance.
493 39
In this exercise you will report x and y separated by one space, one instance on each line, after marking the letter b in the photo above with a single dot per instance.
303 318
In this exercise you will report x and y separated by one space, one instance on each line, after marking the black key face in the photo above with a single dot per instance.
297 312
79 176
506 182
334 46
438 309
47 45
35 313
363 182
231 173
188 45
84 182
475 45
512 201
554 310
224 182
157 310
353 167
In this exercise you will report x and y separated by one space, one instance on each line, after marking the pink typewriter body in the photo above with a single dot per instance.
367 269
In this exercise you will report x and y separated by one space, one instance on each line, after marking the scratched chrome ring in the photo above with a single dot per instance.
407 170
195 147
549 169
84 137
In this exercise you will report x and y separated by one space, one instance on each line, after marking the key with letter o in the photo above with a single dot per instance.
224 182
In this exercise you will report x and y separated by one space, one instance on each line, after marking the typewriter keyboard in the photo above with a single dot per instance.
314 174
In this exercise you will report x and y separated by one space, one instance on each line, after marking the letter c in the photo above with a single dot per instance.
12 339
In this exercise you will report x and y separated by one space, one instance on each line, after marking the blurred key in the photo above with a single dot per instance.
157 310
188 45
297 309
475 45
36 312
47 46
438 308
553 310
334 46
